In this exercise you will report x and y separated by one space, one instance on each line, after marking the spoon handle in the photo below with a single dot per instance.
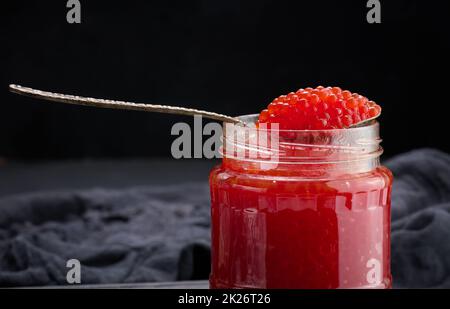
103 103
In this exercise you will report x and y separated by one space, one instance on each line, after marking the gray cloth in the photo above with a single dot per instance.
134 235
421 219
162 234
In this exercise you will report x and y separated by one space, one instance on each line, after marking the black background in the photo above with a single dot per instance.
229 56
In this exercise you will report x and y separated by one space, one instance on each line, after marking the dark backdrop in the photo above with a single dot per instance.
227 56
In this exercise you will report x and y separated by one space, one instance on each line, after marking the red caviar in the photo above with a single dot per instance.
318 109
275 232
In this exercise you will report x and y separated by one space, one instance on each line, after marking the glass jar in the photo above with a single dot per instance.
313 214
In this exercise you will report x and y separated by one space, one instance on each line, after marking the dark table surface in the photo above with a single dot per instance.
189 285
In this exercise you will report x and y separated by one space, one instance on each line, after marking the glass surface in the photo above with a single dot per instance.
303 225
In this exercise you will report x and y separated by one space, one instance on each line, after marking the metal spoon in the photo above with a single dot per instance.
103 103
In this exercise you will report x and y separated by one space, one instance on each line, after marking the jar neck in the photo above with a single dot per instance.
305 171
304 153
